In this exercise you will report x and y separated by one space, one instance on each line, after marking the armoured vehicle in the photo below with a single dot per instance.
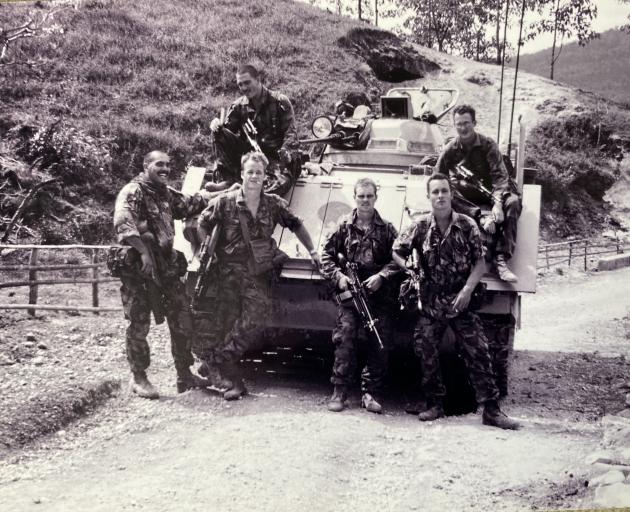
396 147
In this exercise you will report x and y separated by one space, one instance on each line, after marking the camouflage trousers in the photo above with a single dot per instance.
137 311
242 308
230 148
503 240
472 345
349 336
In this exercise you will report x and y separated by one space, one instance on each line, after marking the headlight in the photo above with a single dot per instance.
322 127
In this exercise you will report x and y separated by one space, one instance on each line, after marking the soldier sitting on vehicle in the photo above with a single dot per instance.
451 257
481 156
363 239
150 270
246 253
262 120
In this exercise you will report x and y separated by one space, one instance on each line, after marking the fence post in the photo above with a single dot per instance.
32 276
585 253
95 277
570 252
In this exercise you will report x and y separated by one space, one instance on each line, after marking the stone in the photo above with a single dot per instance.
613 476
41 345
5 360
624 455
30 336
616 430
615 495
28 344
38 361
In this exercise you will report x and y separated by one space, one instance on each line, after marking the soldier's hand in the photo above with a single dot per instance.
462 300
147 265
488 225
374 282
285 156
315 258
497 213
344 283
216 124
235 186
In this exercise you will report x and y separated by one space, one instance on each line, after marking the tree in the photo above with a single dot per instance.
564 18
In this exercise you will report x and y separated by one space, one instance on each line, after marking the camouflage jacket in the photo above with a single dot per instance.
371 250
142 207
224 211
483 158
447 260
274 120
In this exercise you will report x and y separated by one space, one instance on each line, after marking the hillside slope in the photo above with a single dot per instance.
602 67
123 78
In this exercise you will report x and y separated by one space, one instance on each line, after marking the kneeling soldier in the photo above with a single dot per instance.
365 239
451 256
150 270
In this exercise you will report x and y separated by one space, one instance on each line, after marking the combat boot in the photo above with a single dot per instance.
213 374
337 402
141 386
505 274
369 403
237 390
494 417
432 413
187 380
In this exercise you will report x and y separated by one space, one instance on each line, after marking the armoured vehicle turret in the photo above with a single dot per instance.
397 147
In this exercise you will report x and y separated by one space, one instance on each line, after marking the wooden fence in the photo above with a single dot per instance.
34 280
578 252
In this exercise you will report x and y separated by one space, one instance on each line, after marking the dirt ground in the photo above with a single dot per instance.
280 449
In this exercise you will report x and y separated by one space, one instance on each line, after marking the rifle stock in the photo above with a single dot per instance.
417 275
206 259
462 173
359 298
250 132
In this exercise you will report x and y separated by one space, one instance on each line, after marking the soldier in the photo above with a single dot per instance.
364 238
272 116
451 256
481 155
245 252
150 270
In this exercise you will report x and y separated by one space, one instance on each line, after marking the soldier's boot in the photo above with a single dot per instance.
141 386
505 274
337 402
213 374
369 403
187 380
237 389
494 417
432 413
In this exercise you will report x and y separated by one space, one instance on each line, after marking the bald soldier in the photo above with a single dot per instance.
150 270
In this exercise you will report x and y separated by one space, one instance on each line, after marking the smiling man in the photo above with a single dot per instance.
150 269
245 257
271 114
451 257
364 238
481 155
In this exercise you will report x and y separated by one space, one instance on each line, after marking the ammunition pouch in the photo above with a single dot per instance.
121 258
408 295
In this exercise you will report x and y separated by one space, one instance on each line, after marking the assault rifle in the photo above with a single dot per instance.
250 132
417 275
206 259
154 284
359 297
462 173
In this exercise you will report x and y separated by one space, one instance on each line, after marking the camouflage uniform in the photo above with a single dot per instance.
484 159
447 261
142 208
274 121
372 251
245 298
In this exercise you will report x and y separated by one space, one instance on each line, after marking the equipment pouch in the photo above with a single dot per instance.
266 256
408 295
121 258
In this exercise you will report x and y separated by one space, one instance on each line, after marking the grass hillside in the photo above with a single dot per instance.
120 78
602 66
